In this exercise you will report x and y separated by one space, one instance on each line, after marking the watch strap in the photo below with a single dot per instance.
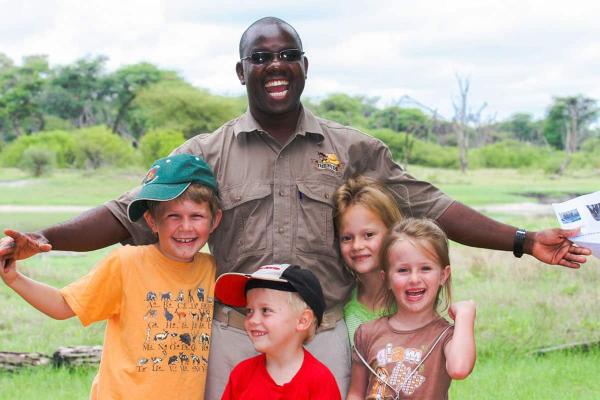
519 242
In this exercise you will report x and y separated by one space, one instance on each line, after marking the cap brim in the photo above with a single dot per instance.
230 289
156 192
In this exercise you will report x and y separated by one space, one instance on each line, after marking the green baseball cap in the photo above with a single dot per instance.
168 178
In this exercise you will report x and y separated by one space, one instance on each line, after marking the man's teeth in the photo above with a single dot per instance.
277 83
278 95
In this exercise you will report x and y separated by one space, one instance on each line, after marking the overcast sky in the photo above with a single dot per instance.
518 54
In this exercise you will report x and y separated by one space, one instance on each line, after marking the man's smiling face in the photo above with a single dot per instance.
274 87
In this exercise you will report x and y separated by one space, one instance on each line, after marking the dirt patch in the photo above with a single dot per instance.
545 198
17 183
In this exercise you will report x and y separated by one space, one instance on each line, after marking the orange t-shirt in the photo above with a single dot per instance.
159 314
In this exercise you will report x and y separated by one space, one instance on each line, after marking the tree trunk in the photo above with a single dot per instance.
121 114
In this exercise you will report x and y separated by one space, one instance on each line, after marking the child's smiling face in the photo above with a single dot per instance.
361 234
183 227
271 322
415 276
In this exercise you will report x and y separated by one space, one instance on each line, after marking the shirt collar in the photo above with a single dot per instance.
307 123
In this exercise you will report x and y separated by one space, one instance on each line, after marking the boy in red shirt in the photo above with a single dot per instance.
284 306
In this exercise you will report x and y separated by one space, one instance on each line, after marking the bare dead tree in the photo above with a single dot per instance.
461 121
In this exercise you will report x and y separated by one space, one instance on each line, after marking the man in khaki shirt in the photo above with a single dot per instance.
277 167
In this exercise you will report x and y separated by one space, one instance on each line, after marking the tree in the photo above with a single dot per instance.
345 109
571 116
177 106
522 127
20 88
76 92
126 83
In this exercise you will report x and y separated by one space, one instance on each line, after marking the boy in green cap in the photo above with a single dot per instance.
158 299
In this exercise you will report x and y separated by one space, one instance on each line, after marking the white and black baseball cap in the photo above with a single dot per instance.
231 288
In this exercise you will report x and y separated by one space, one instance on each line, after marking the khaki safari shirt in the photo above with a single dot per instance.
278 200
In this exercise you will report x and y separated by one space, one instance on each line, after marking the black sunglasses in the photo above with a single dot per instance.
263 57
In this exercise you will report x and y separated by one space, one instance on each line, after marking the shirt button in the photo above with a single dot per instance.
326 195
281 193
280 230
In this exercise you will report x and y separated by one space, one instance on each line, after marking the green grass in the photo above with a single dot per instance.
561 376
47 383
499 186
66 187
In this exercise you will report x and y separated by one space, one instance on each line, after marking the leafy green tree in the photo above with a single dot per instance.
569 119
522 127
345 109
126 83
20 87
178 106
398 119
76 92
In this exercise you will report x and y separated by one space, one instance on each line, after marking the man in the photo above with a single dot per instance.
277 167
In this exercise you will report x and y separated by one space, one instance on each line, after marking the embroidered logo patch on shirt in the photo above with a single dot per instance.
329 161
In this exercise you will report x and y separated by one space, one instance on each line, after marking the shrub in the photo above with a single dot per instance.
510 154
419 152
159 143
588 156
60 142
38 160
98 146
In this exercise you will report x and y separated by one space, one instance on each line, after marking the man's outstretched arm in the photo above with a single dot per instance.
92 230
552 246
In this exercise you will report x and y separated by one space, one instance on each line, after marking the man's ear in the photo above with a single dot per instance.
150 221
305 320
239 70
305 67
216 220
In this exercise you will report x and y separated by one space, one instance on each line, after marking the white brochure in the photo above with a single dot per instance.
584 212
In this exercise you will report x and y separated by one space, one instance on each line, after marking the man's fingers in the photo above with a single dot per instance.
569 264
13 234
584 251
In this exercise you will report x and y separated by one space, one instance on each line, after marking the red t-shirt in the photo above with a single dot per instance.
250 380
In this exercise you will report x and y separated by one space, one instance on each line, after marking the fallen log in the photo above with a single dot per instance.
13 360
77 355
581 346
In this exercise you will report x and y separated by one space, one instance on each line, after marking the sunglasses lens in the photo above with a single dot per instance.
261 57
290 55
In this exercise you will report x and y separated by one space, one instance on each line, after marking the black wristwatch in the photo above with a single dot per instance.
519 242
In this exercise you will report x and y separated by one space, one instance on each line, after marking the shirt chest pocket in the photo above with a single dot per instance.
247 211
315 207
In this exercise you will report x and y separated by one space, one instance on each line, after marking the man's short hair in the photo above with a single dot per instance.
265 21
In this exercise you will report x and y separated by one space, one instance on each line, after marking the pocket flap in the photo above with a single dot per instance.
318 191
235 195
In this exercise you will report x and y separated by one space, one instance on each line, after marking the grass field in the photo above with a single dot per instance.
522 304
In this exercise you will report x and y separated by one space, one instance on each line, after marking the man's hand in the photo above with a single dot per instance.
18 246
553 246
